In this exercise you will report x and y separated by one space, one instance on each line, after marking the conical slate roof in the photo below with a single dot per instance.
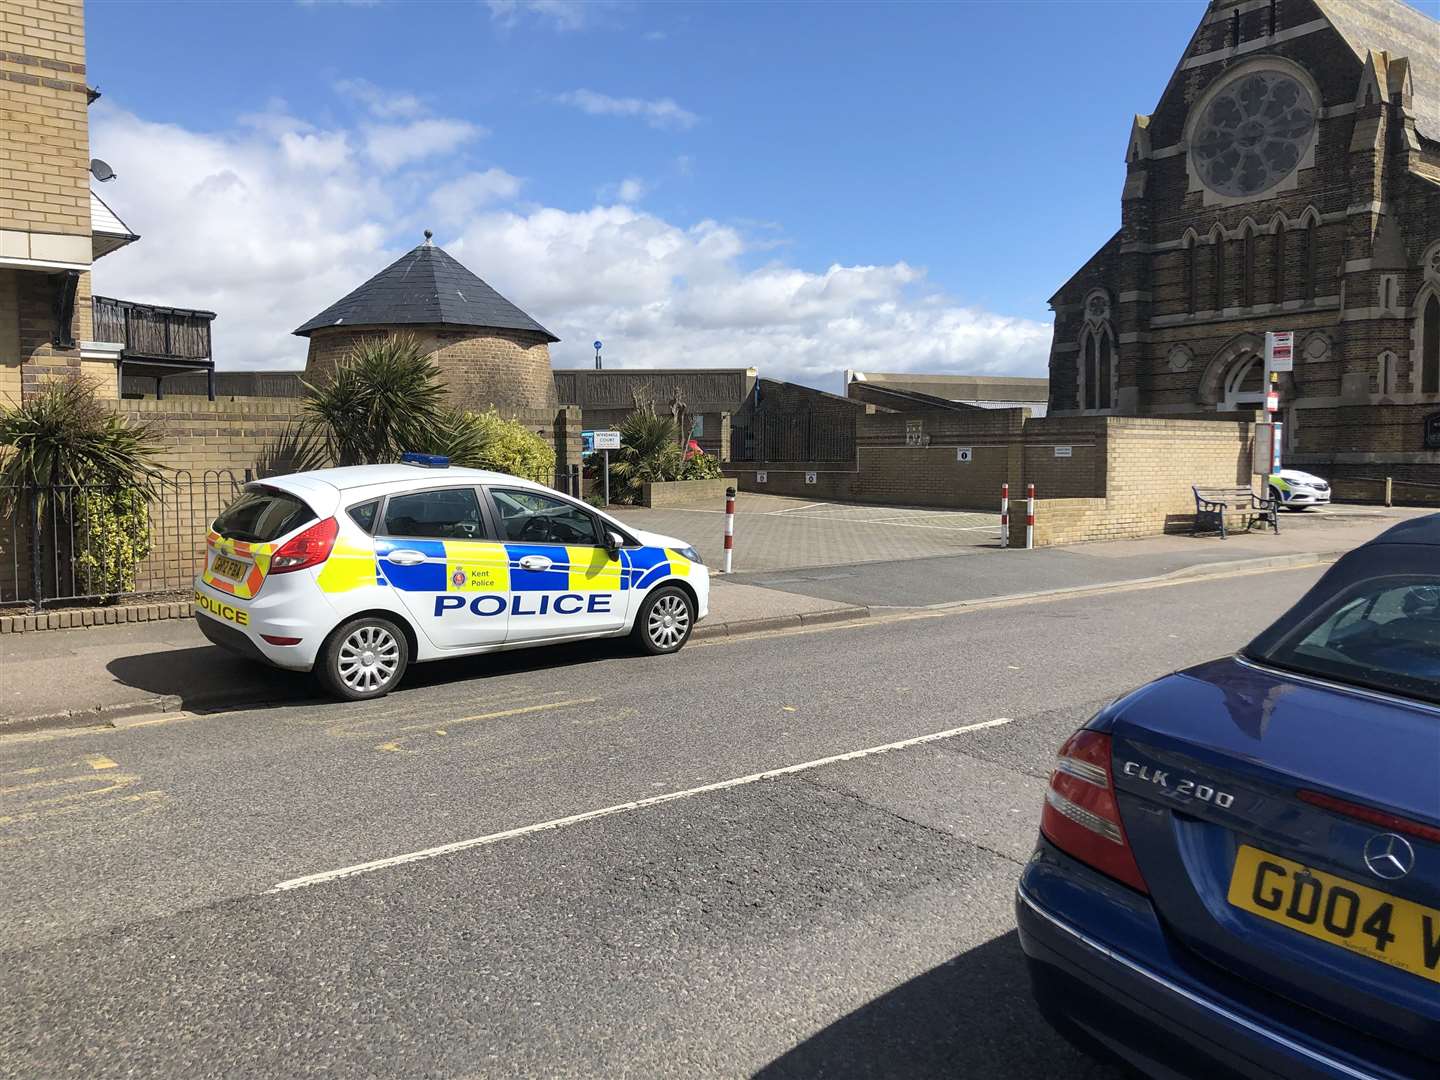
425 286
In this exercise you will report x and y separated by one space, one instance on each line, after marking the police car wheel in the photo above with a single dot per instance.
365 658
665 621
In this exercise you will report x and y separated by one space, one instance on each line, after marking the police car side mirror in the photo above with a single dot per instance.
613 542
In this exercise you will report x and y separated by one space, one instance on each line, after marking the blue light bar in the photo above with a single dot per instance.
427 461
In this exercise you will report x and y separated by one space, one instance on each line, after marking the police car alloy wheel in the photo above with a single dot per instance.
665 621
365 658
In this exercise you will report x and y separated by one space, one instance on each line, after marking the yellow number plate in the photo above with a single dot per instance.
1364 920
228 567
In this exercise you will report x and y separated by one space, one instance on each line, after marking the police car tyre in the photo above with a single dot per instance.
665 620
364 658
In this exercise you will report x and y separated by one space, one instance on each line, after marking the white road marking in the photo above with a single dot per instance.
624 808
792 509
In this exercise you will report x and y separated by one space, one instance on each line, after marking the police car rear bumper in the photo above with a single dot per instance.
238 626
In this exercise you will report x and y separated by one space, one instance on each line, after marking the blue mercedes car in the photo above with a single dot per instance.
1238 869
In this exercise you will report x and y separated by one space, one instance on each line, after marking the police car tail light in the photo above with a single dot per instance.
310 548
1081 815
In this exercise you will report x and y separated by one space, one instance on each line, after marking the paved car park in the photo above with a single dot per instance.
778 533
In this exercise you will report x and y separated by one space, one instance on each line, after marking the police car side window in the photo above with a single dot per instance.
446 514
364 515
528 517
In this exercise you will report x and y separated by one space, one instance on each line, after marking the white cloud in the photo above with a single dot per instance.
630 190
267 224
658 113
392 145
456 200
382 103
561 14
324 150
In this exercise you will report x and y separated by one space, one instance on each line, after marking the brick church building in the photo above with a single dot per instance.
1288 179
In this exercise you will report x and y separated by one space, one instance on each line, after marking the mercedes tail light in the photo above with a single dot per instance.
309 548
1081 815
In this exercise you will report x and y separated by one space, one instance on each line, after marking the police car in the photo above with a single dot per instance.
1294 489
355 573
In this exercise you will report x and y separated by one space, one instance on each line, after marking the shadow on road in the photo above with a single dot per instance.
209 679
970 1017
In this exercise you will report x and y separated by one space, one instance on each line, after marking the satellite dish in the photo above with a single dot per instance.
101 171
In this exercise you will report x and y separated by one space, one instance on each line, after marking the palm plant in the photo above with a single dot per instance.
649 453
384 399
63 435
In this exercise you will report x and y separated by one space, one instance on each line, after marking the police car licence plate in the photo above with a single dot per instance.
228 567
1345 913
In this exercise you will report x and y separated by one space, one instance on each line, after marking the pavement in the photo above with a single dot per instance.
630 898
105 674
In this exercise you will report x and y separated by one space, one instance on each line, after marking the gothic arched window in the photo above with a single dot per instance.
1247 267
1097 368
1307 261
1192 275
1429 336
1278 270
1217 281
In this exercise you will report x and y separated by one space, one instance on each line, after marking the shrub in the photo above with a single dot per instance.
92 473
113 534
513 448
64 435
701 466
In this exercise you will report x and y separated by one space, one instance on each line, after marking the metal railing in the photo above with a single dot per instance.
73 544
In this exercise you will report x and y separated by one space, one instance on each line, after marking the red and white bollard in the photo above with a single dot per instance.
1029 516
1004 515
729 527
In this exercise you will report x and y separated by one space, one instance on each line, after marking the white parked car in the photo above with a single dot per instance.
1293 488
355 573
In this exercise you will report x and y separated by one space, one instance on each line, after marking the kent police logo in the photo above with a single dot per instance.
458 578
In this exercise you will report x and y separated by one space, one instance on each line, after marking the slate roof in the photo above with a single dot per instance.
425 286
1398 29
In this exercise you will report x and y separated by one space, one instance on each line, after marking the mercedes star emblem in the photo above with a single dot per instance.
1389 856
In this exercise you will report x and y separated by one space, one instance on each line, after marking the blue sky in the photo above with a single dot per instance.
803 187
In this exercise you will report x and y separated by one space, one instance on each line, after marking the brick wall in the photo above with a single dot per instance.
9 337
44 133
1096 477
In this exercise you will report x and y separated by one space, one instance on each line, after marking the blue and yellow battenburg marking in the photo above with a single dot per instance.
479 567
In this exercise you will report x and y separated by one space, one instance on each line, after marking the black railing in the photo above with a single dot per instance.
149 332
73 544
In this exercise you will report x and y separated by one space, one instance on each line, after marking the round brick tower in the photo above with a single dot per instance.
489 351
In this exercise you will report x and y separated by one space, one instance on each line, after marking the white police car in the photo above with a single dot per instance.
355 573
1294 489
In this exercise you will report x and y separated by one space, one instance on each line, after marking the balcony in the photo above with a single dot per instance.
155 342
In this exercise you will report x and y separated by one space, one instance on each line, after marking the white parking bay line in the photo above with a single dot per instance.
623 808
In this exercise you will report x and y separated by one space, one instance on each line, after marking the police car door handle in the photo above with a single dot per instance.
534 562
406 557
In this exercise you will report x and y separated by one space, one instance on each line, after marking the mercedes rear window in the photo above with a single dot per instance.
261 515
1380 633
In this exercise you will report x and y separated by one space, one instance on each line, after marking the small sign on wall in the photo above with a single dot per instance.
914 435
809 478
1064 451
963 453
762 478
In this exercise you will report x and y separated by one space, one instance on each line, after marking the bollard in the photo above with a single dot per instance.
1029 516
729 526
1004 515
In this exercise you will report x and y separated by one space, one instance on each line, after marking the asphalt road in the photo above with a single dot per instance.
851 919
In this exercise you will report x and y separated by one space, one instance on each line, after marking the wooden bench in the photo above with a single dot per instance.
1214 507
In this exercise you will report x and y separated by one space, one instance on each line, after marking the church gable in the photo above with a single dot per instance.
1288 179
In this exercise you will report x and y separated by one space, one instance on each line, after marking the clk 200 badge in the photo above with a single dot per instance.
1193 789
